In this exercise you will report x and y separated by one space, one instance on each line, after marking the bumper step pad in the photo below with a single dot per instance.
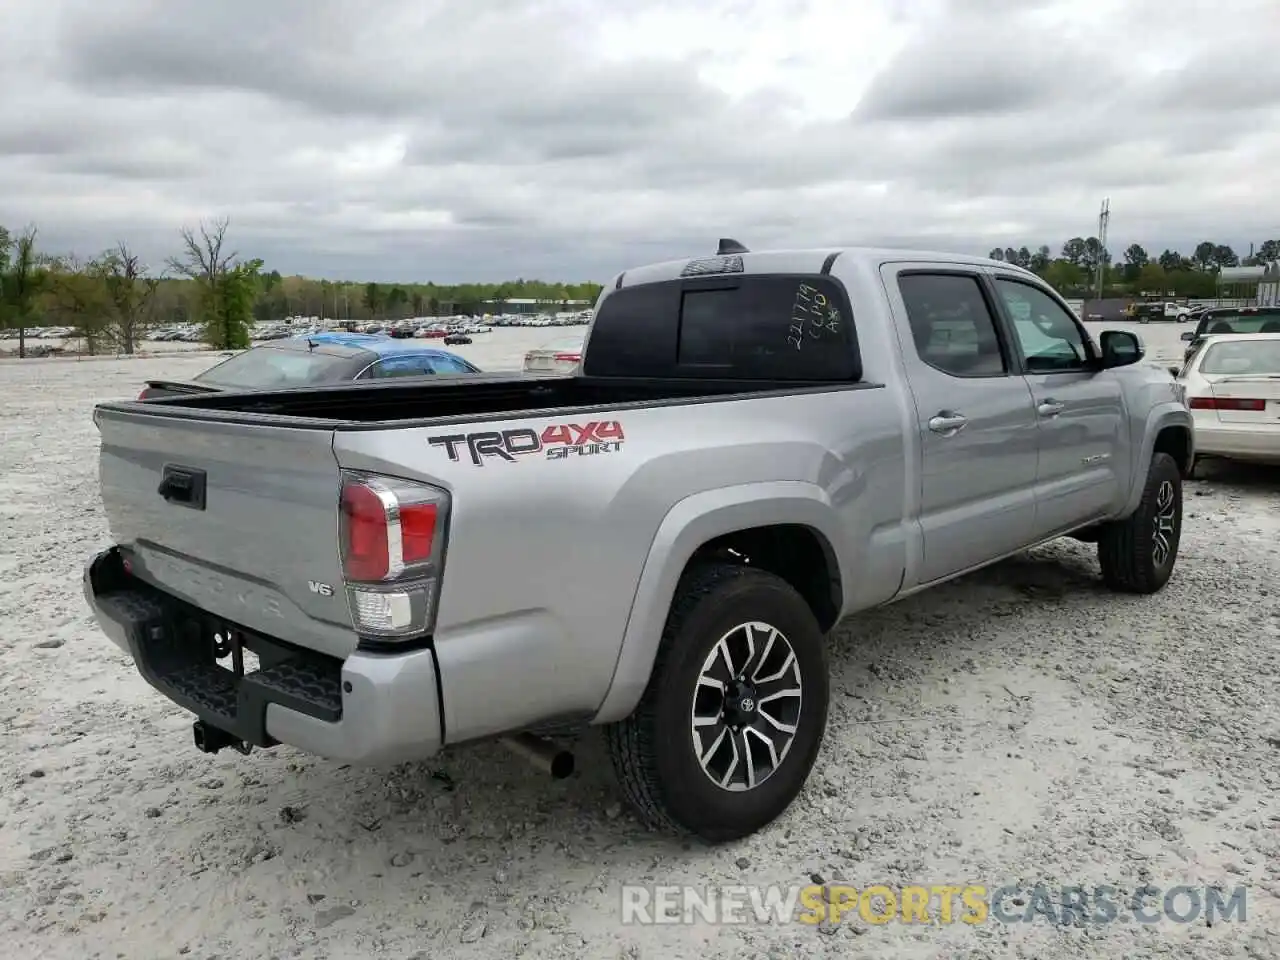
173 647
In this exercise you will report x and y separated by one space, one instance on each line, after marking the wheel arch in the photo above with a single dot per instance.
1168 429
774 523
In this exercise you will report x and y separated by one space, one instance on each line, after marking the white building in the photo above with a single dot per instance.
1269 285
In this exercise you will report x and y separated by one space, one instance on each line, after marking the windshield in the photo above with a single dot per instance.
1227 321
1251 358
268 366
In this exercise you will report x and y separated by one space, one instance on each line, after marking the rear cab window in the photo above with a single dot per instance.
778 327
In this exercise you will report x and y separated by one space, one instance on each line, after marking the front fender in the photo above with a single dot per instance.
689 524
1162 415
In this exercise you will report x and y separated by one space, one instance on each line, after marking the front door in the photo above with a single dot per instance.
1080 410
975 420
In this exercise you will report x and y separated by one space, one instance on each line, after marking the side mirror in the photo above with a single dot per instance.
1188 336
1175 370
1120 348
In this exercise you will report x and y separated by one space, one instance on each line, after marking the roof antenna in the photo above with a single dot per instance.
728 246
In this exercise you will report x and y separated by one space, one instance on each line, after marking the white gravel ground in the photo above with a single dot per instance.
1020 726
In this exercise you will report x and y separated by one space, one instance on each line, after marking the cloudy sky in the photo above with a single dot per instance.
568 139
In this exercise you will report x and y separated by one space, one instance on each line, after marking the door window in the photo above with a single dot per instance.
952 325
450 365
400 367
1051 340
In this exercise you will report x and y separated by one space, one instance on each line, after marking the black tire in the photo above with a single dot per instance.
653 750
1128 549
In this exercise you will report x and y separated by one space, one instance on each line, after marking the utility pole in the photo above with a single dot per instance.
1104 217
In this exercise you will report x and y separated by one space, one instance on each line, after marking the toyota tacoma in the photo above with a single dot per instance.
754 446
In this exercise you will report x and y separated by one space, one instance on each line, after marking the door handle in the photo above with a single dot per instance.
947 423
1050 408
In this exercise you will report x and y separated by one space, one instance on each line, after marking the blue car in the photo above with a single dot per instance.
315 359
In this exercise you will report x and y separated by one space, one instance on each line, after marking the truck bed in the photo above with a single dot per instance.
430 401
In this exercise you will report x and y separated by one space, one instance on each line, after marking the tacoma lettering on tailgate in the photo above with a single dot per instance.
556 442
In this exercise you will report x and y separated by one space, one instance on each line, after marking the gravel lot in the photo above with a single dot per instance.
1020 726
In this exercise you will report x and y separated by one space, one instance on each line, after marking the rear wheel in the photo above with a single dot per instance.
1138 554
733 716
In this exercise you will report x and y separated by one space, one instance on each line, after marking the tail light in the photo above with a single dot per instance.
146 392
391 535
569 357
1226 403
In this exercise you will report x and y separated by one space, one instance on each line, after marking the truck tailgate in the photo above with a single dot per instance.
240 520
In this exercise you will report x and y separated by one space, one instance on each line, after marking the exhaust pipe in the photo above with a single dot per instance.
212 739
547 755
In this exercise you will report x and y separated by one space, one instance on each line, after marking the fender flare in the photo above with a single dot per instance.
1162 415
688 525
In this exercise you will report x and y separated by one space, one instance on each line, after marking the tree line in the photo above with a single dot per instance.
1074 270
113 299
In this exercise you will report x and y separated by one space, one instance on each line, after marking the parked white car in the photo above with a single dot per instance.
560 356
1232 385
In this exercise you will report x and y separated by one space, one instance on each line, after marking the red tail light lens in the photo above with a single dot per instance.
569 357
1226 403
387 527
366 551
391 538
417 531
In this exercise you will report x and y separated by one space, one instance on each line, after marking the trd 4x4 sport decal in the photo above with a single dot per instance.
556 442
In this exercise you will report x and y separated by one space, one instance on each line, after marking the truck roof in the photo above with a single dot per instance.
801 261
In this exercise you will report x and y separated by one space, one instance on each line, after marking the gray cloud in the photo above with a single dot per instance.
410 139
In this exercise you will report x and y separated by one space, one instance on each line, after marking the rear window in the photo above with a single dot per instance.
1229 321
272 367
753 328
1255 358
564 344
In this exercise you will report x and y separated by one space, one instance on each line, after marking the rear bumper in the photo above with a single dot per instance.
368 708
1222 440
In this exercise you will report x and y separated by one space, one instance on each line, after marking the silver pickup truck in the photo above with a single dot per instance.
755 446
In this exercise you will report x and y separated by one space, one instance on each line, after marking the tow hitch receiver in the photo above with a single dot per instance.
211 739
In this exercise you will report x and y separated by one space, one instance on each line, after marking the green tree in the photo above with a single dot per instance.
74 296
129 295
224 286
372 299
1152 279
397 300
1224 256
20 282
1073 251
1203 255
1135 258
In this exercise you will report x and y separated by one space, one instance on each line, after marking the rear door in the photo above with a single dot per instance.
975 418
238 519
1083 443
